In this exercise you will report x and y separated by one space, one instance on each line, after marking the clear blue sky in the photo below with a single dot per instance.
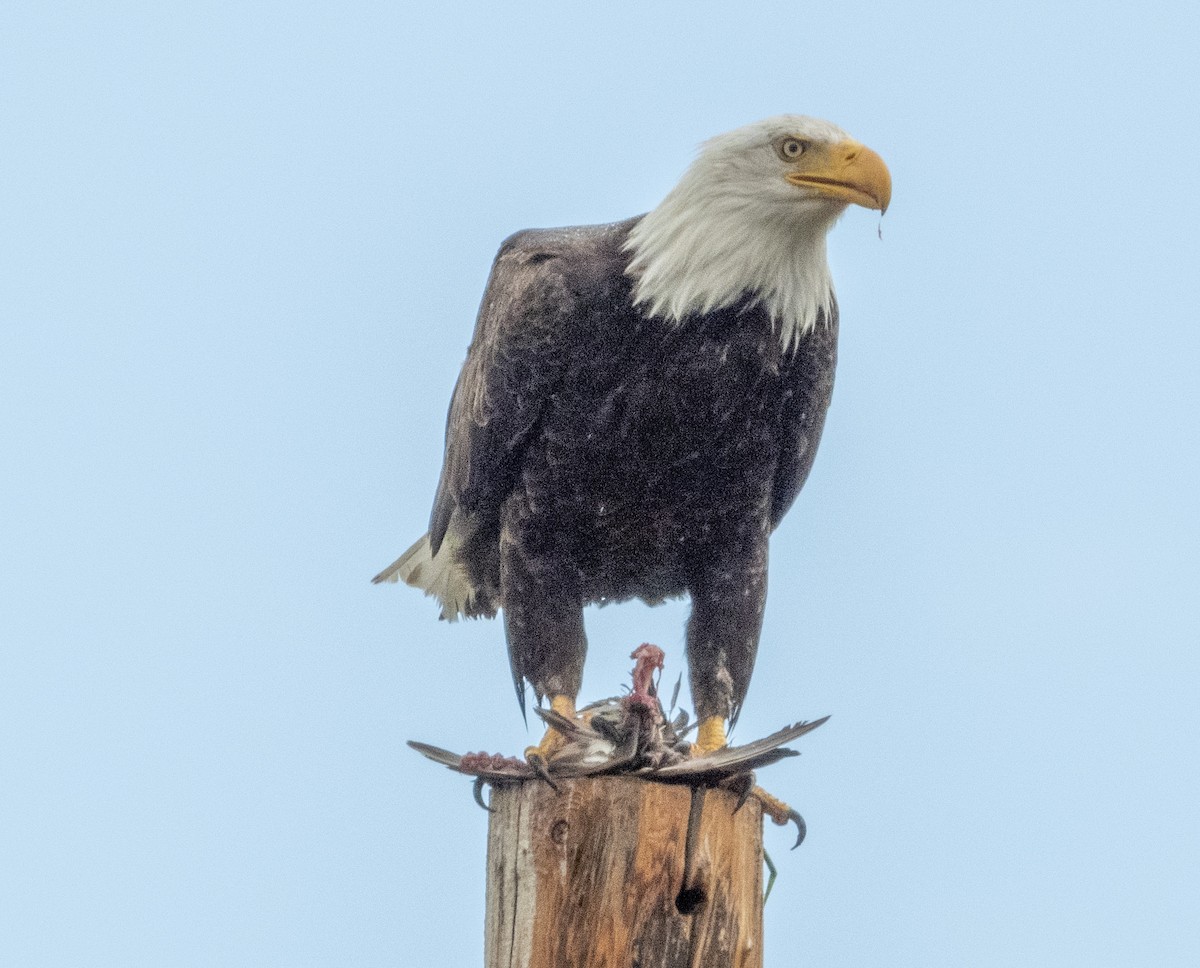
241 250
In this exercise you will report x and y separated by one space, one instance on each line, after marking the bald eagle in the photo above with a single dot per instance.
639 407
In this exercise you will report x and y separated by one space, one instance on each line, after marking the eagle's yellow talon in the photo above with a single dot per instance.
553 740
781 813
773 807
710 737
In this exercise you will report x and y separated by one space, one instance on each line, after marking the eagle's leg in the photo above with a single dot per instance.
710 735
728 597
546 645
552 740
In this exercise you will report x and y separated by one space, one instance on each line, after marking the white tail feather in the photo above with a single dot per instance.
442 576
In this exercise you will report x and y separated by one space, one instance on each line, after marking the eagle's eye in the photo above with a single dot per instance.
792 148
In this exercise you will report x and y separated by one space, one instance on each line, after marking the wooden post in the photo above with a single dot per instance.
600 875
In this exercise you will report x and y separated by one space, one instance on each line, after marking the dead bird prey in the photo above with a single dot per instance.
633 736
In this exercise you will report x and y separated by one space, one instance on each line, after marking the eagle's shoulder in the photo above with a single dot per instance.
540 299
577 260
576 243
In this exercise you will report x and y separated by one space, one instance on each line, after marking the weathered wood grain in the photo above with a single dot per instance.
593 877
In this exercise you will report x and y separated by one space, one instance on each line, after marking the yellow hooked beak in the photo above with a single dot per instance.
848 172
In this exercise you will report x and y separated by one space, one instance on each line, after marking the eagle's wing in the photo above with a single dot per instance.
810 391
527 326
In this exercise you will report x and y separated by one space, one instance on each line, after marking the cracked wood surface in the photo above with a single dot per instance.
592 877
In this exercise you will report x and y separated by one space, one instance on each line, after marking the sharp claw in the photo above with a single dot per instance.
782 814
477 792
537 763
743 786
801 827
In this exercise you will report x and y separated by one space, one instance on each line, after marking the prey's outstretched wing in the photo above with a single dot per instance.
732 760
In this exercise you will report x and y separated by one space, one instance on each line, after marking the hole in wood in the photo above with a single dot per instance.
690 900
558 833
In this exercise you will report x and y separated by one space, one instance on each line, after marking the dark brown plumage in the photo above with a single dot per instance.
598 450
596 455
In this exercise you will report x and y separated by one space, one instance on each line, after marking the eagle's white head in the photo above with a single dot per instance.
751 215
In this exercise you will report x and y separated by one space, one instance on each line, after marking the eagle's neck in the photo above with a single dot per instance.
702 250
